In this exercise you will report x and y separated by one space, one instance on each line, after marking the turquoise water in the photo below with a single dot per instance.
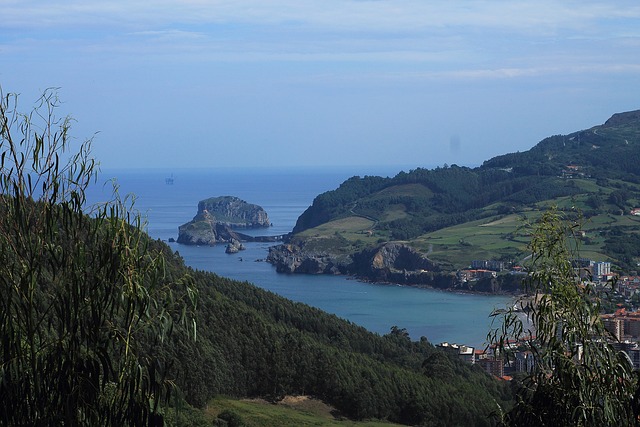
285 194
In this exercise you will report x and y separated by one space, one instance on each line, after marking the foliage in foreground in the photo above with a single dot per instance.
579 377
83 300
92 317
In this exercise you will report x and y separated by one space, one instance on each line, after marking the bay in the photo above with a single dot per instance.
285 194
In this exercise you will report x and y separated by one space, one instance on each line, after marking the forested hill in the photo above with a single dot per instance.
253 343
448 195
611 150
598 168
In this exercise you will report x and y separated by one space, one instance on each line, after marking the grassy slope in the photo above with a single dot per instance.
493 237
291 412
506 236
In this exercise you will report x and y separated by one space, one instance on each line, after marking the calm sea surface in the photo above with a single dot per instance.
285 194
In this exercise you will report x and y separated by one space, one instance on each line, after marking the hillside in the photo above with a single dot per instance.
253 343
452 215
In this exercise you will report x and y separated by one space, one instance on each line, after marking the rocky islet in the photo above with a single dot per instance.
217 220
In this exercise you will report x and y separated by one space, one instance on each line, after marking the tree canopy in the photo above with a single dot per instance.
85 305
579 377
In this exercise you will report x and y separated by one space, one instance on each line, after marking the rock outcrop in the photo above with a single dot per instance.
293 258
396 257
218 218
234 247
388 262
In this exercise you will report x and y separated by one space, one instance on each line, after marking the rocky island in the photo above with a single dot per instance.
218 218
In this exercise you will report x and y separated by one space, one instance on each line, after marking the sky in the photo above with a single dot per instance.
252 83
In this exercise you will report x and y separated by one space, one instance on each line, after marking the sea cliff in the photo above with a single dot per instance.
390 262
387 262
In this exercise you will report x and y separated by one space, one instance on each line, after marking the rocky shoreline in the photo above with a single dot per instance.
388 262
392 262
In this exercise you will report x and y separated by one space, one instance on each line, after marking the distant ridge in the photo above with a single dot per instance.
623 118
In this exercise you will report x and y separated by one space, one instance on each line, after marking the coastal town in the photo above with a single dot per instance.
621 317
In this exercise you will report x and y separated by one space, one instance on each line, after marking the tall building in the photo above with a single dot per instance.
615 326
601 270
492 365
524 361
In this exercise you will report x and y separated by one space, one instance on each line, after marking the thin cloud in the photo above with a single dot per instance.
309 30
480 74
170 35
338 15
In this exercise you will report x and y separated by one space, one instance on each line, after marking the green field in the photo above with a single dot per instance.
350 226
489 238
292 411
506 237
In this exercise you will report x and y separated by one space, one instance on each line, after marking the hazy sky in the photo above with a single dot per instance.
170 83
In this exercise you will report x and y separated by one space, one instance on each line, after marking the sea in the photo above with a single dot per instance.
168 198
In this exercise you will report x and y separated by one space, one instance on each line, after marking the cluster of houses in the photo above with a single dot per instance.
623 325
481 269
572 172
522 360
599 272
628 286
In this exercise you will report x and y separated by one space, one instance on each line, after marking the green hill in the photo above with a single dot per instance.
252 343
454 214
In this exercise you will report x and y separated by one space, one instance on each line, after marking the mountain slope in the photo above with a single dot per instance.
595 170
252 343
